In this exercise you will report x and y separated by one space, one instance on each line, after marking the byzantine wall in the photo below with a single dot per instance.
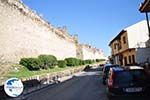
23 33
88 52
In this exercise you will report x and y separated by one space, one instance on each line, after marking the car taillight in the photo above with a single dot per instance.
111 79
113 75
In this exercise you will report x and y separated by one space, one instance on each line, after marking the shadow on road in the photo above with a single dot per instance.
89 68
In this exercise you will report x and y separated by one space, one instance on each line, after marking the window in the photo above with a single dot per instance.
120 47
125 60
121 62
133 59
125 78
124 40
130 59
115 46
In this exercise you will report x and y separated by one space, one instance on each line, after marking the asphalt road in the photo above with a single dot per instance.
84 86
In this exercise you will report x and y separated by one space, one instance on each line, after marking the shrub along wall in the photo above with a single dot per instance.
72 61
47 61
99 60
42 62
50 61
30 63
61 63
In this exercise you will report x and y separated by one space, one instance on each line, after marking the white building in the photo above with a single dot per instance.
129 46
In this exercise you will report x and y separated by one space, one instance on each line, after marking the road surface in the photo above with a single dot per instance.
84 86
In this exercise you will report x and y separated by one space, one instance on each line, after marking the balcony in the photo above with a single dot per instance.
145 6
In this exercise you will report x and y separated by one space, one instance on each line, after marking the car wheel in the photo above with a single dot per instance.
104 83
109 95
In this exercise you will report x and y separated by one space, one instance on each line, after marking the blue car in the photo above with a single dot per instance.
106 70
131 80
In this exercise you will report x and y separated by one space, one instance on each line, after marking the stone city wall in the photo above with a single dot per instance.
23 33
88 52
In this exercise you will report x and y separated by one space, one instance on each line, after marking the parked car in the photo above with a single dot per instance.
127 81
87 68
101 66
106 70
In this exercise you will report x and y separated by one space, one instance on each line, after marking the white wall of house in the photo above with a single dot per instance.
137 34
142 54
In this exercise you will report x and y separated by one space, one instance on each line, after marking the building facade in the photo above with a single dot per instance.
125 46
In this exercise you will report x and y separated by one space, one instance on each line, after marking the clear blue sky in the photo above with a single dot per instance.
95 21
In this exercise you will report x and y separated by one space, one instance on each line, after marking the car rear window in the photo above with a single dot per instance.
107 68
126 78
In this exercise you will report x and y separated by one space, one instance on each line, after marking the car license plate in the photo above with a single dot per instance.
133 90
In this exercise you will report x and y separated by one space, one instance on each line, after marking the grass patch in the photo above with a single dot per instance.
25 73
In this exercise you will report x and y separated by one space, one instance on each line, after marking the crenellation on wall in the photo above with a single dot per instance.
62 32
17 4
36 17
86 51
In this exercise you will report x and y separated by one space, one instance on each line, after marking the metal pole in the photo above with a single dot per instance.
148 24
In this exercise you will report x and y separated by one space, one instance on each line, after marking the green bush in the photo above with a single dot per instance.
88 61
50 61
80 62
102 59
93 61
47 61
77 62
30 63
99 60
61 63
83 62
72 61
24 61
43 61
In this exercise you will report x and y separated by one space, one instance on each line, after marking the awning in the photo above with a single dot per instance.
145 7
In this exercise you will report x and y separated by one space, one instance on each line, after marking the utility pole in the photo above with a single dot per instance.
148 24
